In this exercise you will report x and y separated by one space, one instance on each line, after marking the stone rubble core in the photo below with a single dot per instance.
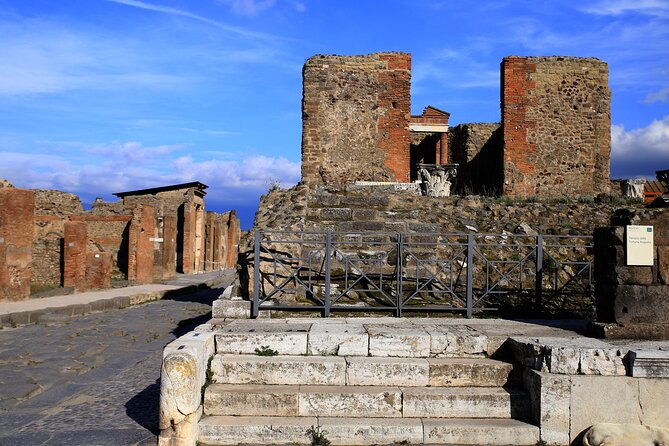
382 380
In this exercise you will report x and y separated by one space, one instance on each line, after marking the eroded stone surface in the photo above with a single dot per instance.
397 340
350 401
476 432
252 400
442 402
251 369
225 430
338 339
366 371
366 431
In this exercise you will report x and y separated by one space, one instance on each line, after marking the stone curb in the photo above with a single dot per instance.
51 313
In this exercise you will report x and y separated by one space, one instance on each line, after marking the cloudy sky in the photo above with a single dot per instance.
103 96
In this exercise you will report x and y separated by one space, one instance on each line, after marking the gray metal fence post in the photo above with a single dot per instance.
398 289
328 253
256 274
539 273
470 275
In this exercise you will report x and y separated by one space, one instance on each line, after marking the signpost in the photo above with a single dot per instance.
639 245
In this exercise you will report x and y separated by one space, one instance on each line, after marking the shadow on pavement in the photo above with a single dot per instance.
143 407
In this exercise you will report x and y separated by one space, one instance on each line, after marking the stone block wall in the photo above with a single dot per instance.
75 242
477 149
556 126
355 118
633 294
141 241
16 236
52 209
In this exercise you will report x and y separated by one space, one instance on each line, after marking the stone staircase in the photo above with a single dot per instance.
340 380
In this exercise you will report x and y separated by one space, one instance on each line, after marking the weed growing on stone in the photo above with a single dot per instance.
208 378
264 350
317 436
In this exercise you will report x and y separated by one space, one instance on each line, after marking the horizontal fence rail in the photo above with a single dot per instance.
398 272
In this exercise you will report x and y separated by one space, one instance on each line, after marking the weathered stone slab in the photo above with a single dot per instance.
350 401
649 363
338 339
226 430
286 339
570 356
251 399
461 372
473 402
596 399
181 434
456 341
477 432
252 369
182 375
549 404
235 309
369 431
370 371
398 340
654 401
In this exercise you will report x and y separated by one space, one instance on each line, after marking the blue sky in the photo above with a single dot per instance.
103 96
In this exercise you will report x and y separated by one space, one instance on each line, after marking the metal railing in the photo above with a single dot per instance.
397 272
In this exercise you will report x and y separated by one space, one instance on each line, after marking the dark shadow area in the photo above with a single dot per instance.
122 256
180 239
143 407
483 174
424 152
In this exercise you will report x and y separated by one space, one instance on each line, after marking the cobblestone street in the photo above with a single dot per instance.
93 379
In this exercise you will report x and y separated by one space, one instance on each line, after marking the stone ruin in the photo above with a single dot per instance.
49 243
369 166
553 140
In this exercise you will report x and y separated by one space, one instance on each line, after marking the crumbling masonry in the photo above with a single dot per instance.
48 241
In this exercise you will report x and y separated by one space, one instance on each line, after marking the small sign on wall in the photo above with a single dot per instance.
639 245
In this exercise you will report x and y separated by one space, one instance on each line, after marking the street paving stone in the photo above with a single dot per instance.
92 379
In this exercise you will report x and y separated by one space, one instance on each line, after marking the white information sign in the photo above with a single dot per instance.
639 244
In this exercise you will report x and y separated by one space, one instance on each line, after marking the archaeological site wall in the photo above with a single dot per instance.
633 296
16 235
477 149
355 118
71 249
556 126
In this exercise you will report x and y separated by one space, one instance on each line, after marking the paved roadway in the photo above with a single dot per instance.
92 379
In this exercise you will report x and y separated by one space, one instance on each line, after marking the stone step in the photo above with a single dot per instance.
361 371
228 430
464 402
376 338
365 401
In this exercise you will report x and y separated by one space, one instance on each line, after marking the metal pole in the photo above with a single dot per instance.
256 274
400 256
540 273
470 275
328 251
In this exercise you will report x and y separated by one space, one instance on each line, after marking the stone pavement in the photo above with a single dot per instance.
94 379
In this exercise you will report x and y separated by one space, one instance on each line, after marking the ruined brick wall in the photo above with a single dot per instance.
110 234
141 245
477 149
17 216
75 242
52 209
355 118
556 126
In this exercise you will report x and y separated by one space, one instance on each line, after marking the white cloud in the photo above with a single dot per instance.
657 96
242 4
248 7
38 56
618 7
233 179
640 152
